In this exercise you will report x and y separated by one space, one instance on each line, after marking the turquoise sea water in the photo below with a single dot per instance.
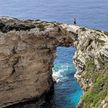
67 90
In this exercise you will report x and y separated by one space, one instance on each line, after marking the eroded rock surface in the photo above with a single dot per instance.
27 51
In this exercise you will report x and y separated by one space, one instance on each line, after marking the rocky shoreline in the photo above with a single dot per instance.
27 52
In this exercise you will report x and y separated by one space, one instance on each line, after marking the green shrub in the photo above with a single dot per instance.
99 90
41 27
106 33
83 29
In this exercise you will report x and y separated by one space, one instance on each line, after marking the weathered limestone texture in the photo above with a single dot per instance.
27 51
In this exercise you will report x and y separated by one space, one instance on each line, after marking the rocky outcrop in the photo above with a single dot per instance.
27 51
91 60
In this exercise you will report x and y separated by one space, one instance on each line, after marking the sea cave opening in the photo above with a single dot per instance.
67 91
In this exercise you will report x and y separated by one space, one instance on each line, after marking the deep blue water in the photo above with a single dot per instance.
67 90
90 13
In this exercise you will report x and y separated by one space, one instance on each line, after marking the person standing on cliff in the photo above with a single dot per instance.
75 21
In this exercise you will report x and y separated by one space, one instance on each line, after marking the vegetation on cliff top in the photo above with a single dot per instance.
106 33
99 90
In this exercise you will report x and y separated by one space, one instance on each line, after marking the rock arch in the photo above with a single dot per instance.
27 51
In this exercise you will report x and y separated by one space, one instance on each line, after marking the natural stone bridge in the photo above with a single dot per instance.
27 52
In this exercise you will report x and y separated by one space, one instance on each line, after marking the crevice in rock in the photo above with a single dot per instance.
13 66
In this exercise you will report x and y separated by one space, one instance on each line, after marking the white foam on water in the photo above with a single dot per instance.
60 73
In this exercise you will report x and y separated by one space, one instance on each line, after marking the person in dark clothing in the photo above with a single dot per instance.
75 21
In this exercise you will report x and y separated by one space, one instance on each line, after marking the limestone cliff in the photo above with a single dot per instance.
27 51
91 59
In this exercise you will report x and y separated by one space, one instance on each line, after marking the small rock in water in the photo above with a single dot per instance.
55 79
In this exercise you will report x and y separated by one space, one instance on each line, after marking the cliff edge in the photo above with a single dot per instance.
27 51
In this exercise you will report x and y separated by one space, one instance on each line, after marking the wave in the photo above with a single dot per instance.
62 71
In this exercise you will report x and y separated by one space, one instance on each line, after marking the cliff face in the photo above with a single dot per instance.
27 51
91 60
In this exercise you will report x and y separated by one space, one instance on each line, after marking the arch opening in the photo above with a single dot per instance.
67 91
